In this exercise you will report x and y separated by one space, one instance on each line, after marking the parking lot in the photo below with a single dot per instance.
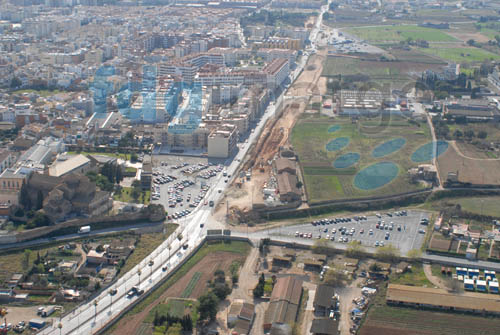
403 231
180 183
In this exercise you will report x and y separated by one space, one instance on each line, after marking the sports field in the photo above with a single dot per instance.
365 159
391 34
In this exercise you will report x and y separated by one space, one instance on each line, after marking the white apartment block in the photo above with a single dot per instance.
222 141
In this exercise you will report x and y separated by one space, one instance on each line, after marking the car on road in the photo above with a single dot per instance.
164 268
113 291
134 290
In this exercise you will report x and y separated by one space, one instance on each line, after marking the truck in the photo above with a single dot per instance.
47 311
37 323
84 230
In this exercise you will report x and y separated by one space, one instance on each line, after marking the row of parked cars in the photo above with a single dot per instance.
175 195
211 173
19 328
195 168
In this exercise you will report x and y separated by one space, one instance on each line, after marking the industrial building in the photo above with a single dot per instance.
283 305
423 297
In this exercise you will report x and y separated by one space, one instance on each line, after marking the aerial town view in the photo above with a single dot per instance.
249 167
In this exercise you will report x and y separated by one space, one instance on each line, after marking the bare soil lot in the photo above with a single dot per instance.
470 170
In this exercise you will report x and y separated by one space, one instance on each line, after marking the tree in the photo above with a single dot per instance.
24 198
258 291
118 174
208 306
39 200
354 249
387 253
320 245
221 290
133 157
375 267
471 42
414 254
335 277
469 133
39 220
135 193
26 259
15 82
458 134
482 134
175 329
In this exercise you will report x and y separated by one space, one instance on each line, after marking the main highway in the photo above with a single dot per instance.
92 316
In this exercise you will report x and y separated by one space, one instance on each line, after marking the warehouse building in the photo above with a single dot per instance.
283 306
422 297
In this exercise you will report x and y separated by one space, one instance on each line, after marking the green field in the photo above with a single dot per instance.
324 182
126 196
391 34
460 54
334 66
414 277
479 205
405 321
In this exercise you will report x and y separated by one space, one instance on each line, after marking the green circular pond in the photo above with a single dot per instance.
337 143
376 175
346 160
334 128
426 152
388 147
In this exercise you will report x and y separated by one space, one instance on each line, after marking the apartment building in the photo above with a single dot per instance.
222 141
277 71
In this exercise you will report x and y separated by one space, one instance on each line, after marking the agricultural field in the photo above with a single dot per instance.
187 283
377 70
388 320
395 34
397 73
356 159
459 54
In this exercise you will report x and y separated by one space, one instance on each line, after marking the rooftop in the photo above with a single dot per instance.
60 168
442 298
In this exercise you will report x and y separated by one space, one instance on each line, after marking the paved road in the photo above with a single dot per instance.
70 237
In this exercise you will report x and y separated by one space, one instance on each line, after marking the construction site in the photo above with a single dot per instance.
248 193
